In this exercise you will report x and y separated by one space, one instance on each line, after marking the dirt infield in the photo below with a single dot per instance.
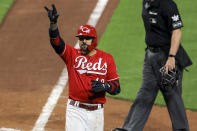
29 68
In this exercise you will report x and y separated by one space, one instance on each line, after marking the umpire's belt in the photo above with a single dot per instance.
86 106
154 49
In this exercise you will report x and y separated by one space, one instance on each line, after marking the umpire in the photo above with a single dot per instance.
163 25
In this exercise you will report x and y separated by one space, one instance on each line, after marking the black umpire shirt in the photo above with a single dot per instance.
160 18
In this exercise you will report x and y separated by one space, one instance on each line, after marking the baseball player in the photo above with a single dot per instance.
91 73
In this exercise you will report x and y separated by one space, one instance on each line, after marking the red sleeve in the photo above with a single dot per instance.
112 71
67 53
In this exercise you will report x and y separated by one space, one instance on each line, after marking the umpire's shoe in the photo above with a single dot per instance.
119 129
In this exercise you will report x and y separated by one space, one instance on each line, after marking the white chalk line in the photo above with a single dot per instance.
59 87
52 101
8 129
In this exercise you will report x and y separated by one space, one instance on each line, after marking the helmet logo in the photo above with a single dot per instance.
85 29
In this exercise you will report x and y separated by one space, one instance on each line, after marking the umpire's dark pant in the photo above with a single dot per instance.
145 98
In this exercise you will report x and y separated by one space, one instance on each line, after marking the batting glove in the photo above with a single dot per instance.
98 86
52 14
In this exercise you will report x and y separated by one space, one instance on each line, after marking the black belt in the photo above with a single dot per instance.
83 105
154 49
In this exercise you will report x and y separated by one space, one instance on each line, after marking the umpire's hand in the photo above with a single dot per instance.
52 14
170 64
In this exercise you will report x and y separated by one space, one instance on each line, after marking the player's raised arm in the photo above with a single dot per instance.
55 39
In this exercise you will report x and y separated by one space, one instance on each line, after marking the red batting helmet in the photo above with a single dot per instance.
88 30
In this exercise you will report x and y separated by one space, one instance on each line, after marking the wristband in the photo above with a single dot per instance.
171 55
54 33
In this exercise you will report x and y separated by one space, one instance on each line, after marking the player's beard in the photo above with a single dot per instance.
84 49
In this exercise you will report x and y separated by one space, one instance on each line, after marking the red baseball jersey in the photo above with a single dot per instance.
82 69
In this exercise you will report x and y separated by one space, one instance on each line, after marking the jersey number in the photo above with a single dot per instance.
102 80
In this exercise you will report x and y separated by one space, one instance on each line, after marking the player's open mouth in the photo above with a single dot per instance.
84 47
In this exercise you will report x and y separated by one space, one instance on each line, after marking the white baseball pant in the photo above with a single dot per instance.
79 119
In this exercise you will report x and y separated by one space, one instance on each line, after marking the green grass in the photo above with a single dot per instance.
123 34
4 6
124 39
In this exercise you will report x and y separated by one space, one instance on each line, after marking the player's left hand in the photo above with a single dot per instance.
98 86
170 64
